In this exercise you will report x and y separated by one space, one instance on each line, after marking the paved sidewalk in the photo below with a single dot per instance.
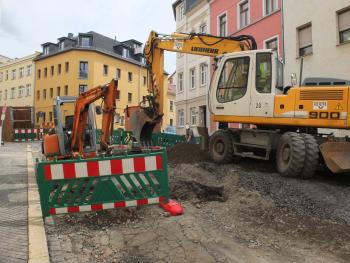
13 203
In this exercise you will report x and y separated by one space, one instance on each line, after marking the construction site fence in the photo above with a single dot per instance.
82 185
22 135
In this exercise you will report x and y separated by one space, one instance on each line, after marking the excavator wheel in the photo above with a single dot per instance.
220 147
290 157
311 156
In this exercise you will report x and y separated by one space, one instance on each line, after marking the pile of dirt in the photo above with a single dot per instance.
187 153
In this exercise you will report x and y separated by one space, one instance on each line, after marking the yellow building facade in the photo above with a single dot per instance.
17 82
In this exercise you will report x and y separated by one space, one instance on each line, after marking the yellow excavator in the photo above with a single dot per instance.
247 88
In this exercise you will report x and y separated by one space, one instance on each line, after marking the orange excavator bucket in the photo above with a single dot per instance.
336 156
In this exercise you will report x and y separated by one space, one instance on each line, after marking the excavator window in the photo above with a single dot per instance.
263 72
233 80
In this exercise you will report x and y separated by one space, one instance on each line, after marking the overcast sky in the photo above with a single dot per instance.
26 24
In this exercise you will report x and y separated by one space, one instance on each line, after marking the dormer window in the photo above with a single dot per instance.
61 45
143 60
85 41
126 53
46 50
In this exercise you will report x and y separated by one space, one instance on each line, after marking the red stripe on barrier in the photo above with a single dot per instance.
116 167
96 207
69 170
93 169
19 131
119 204
159 162
47 172
73 209
161 199
52 211
142 202
139 164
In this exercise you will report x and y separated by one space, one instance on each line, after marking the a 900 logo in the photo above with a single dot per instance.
324 115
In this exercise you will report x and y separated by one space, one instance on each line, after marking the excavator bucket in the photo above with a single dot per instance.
336 156
143 126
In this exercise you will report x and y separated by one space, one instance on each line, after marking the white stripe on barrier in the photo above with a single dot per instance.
81 170
150 163
128 165
105 167
57 171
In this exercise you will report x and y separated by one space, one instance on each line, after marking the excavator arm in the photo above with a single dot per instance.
108 94
151 108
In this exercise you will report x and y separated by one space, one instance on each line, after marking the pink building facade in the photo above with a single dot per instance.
260 18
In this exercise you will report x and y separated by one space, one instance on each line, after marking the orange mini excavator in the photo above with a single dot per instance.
75 135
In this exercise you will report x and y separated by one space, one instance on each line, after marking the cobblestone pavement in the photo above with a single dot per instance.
13 203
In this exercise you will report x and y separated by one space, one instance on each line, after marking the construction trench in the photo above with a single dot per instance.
242 212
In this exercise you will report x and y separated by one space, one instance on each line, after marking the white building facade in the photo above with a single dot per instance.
192 72
321 34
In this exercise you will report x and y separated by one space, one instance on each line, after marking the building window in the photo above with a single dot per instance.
51 92
29 70
85 41
58 91
82 88
66 90
7 75
270 6
28 90
13 93
45 72
39 73
222 25
5 95
121 120
204 74
272 44
1 76
0 95
181 118
50 116
67 67
59 69
52 70
83 70
61 45
194 116
20 91
117 118
126 53
243 8
203 29
21 72
46 50
44 94
118 95
105 70
171 106
129 97
192 78
130 76
180 81
38 94
171 122
344 26
305 40
118 73
144 80
181 12
13 76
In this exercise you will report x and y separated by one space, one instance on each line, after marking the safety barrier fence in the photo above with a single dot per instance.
22 135
68 186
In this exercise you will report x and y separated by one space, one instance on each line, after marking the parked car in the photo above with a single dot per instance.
170 129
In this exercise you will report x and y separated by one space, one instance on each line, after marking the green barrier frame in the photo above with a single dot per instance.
67 186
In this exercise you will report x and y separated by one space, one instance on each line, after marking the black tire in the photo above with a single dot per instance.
311 156
290 156
220 147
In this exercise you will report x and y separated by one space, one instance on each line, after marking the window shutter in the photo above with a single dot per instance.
305 37
344 20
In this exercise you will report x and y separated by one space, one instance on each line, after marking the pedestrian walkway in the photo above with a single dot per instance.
13 203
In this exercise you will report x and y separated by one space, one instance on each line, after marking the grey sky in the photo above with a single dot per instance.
25 25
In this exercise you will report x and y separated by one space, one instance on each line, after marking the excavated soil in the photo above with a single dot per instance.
242 212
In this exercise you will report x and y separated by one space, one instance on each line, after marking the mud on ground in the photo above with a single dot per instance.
233 213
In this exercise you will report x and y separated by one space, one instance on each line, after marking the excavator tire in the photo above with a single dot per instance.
220 147
290 157
312 154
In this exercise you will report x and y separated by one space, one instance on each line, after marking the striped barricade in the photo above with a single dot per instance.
23 135
68 186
